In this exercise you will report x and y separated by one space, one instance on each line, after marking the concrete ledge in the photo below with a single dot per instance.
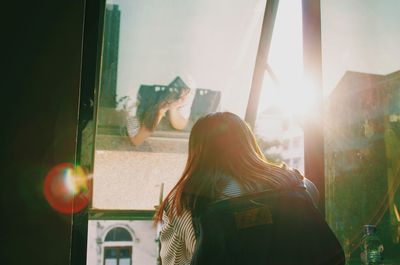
161 143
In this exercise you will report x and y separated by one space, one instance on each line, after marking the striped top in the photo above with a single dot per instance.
177 236
177 239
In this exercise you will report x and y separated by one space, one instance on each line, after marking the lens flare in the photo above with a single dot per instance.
67 188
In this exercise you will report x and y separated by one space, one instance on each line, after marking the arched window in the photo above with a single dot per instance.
118 255
118 234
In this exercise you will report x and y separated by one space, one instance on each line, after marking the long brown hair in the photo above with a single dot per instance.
222 144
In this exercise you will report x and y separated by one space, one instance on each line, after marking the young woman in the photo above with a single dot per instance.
167 101
224 160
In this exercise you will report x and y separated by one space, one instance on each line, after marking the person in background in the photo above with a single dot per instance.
171 102
224 160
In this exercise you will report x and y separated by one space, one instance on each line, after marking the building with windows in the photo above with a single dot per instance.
109 61
362 150
121 242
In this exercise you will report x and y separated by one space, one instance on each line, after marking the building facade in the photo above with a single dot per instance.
362 139
109 61
121 242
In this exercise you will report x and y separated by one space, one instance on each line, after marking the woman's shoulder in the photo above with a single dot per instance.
306 183
293 175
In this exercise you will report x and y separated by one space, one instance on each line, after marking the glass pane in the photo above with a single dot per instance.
118 234
278 124
110 262
125 252
110 253
361 78
124 261
165 64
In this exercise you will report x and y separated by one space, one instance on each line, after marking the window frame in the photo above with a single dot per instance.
118 248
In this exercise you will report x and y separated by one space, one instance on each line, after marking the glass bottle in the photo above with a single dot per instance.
371 246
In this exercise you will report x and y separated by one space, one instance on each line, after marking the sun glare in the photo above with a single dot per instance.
296 99
299 99
285 87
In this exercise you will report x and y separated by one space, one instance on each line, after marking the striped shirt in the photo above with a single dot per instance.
177 236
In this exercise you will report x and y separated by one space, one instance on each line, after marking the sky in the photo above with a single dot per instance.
285 56
359 35
210 44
